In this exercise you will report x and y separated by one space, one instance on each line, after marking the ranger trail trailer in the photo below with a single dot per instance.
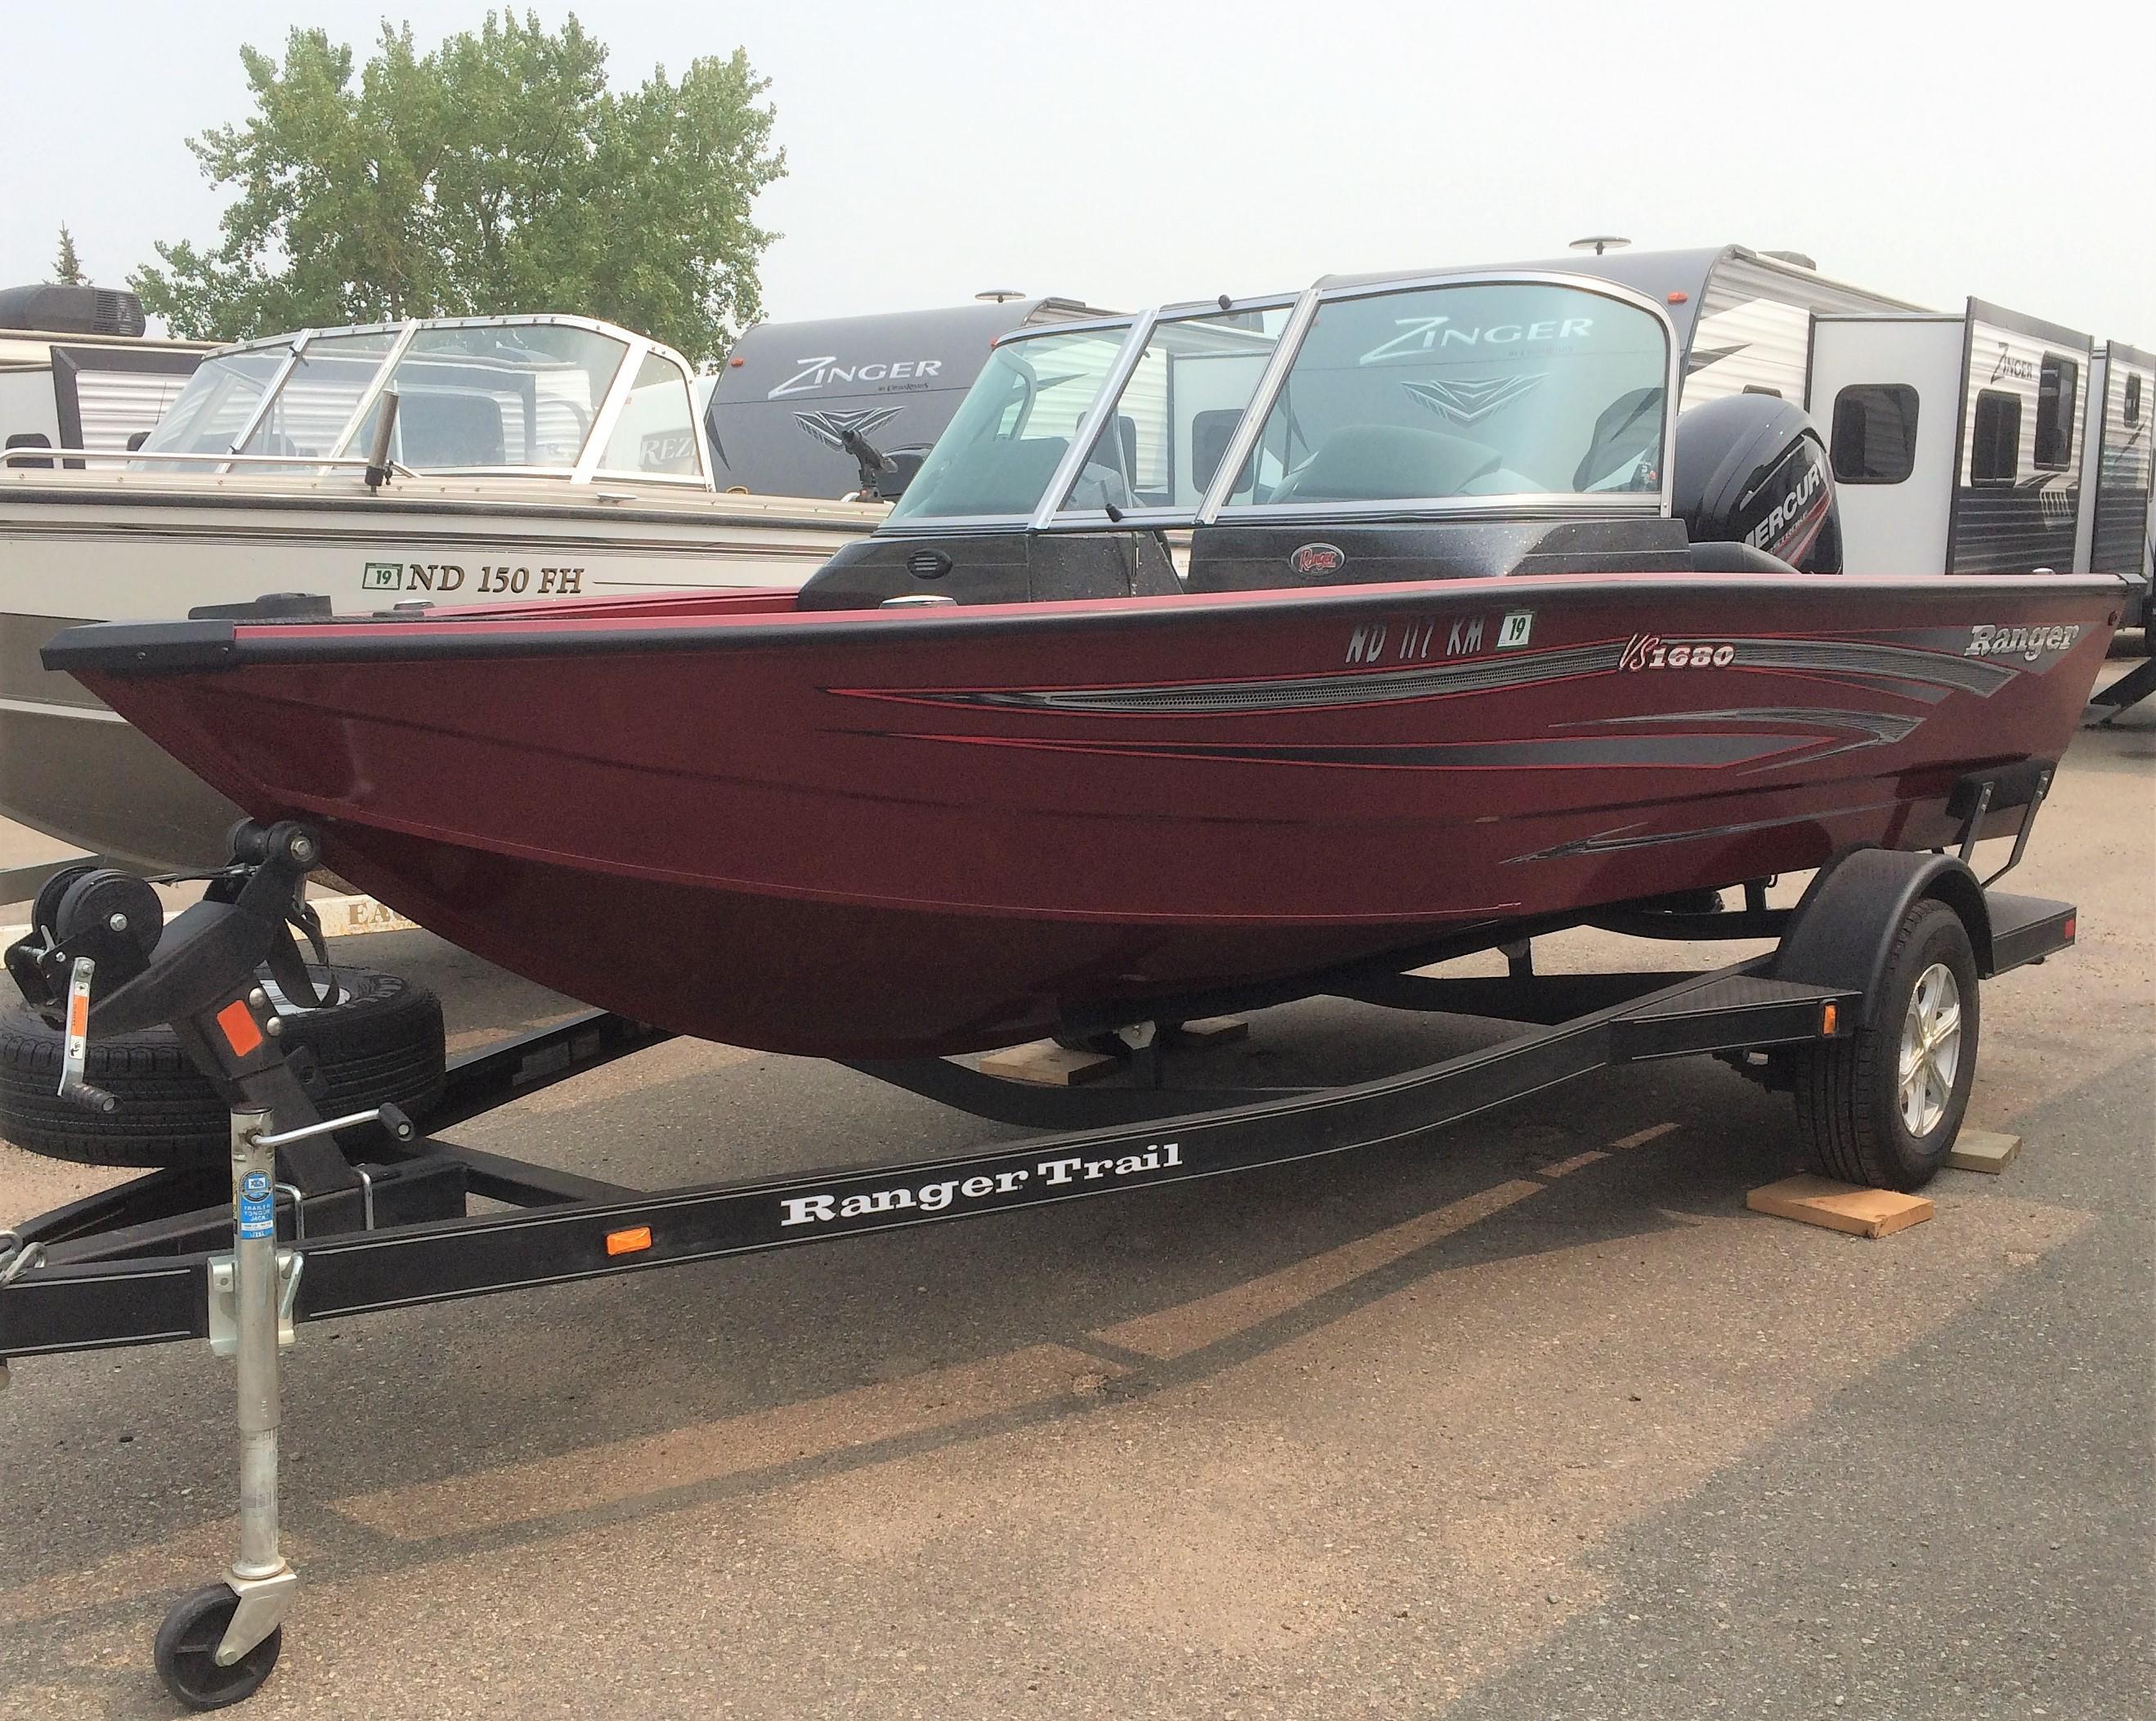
789 392
75 370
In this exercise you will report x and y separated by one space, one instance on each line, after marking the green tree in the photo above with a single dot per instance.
66 267
497 173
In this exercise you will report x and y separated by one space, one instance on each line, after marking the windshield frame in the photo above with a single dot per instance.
1598 504
1050 515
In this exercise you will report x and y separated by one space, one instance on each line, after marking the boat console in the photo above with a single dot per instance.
1367 431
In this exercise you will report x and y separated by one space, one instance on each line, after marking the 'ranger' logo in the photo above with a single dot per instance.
2027 643
956 1191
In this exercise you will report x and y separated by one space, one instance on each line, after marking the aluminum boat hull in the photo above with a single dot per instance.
884 833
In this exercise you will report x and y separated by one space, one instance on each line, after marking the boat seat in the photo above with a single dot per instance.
448 430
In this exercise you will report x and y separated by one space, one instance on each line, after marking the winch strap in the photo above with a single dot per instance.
290 969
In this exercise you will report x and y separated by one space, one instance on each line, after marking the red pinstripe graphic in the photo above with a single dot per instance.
1142 750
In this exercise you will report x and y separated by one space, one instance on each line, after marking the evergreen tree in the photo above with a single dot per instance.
66 267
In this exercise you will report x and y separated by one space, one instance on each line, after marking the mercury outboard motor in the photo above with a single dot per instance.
1751 470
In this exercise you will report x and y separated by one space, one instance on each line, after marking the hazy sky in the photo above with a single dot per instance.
1132 153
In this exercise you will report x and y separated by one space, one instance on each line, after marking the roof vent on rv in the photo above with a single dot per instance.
71 311
1795 257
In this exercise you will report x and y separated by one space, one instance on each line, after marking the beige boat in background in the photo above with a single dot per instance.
525 457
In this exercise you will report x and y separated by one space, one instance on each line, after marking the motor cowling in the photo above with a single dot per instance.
1751 470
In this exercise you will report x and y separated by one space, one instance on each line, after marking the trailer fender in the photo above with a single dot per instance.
1842 930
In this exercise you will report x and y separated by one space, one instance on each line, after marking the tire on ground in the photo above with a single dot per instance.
382 1040
1848 1090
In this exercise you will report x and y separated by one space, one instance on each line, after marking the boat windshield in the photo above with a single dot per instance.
517 394
1011 431
526 396
1514 388
218 402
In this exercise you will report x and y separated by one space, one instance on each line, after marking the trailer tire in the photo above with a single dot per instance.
382 1041
1865 1121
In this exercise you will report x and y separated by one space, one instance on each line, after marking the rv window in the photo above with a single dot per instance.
2060 380
1994 451
2132 401
1875 432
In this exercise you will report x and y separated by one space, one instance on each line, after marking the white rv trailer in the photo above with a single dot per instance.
2119 511
76 371
1981 441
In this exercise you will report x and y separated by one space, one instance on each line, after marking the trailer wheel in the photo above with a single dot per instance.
186 1651
381 1041
1881 1107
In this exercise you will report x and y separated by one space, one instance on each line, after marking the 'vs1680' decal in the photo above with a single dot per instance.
1648 652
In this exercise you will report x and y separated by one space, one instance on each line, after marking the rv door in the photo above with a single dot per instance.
1884 391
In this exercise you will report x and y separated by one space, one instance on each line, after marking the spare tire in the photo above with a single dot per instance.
381 1041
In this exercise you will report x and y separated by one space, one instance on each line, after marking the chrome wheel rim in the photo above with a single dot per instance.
1931 1050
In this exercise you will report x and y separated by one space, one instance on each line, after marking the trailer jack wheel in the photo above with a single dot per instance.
186 1651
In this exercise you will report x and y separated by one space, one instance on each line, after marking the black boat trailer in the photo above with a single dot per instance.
320 1220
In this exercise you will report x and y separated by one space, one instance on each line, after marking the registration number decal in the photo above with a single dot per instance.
487 580
1417 640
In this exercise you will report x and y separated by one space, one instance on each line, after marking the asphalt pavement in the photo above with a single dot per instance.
1525 1417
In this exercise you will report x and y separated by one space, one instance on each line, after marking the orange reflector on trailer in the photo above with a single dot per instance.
77 1013
629 1241
1830 1019
241 1033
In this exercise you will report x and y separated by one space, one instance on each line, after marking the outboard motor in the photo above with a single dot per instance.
1751 470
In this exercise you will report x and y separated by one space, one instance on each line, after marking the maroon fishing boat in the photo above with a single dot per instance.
1209 648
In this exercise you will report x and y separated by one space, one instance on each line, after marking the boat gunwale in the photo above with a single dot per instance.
149 649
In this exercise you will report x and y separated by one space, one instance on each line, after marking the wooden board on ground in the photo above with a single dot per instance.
1209 1031
1049 1064
1983 1150
1840 1206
